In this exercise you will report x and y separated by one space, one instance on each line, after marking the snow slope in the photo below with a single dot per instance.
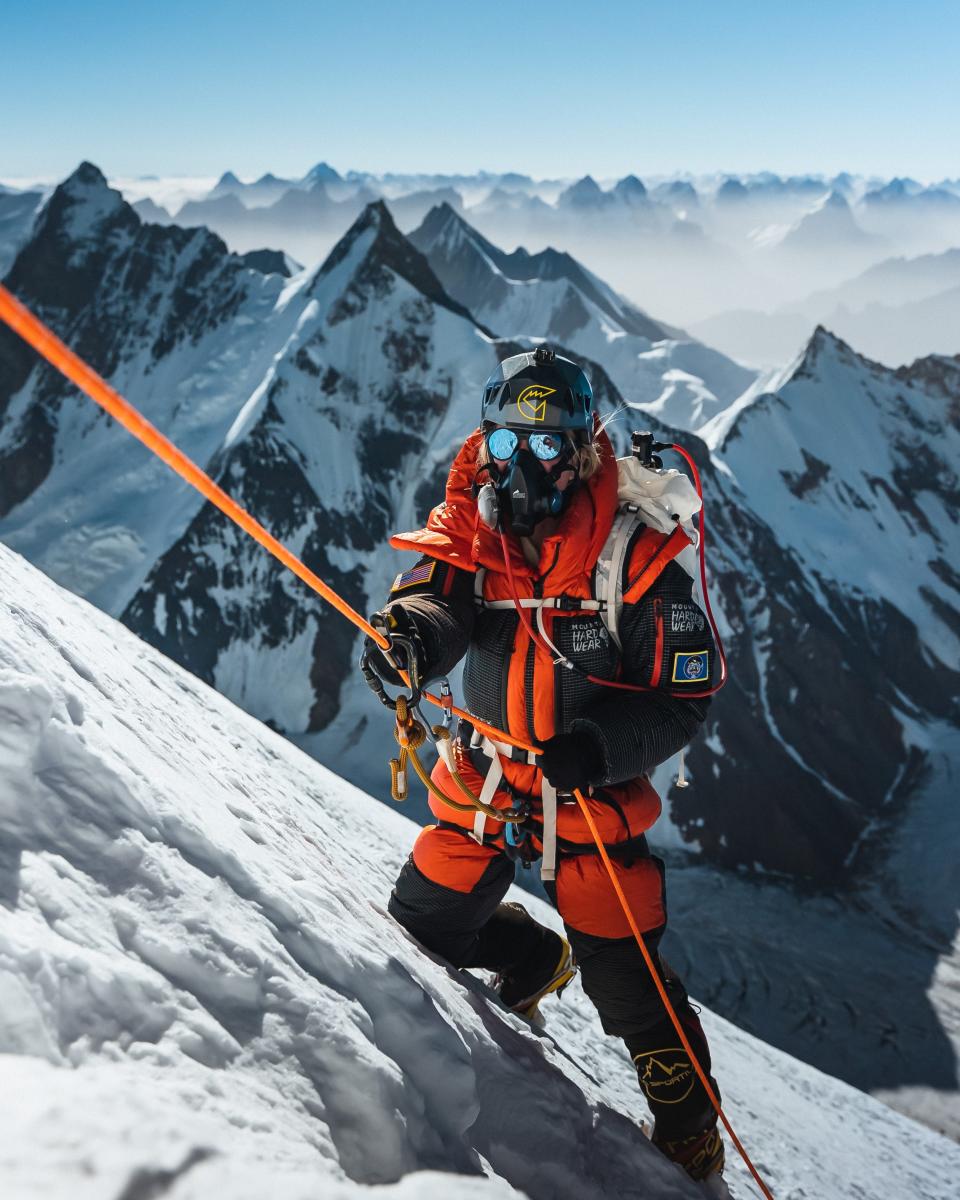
202 994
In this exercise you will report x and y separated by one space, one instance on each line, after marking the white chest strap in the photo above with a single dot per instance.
548 863
608 580
548 794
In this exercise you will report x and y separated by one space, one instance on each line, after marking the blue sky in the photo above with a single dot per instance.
554 89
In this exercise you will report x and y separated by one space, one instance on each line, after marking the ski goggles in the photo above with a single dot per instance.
502 444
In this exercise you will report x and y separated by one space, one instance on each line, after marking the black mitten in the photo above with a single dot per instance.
571 761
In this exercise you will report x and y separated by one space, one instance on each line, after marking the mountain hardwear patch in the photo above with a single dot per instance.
686 617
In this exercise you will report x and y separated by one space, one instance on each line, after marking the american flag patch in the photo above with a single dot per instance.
421 573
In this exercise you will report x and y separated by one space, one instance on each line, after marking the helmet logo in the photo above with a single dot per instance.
532 402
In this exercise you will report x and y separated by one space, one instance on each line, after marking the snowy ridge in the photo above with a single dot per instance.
550 295
202 993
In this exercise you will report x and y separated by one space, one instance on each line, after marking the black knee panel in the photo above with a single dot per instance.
617 980
446 921
678 1100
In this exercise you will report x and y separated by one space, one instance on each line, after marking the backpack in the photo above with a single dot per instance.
653 499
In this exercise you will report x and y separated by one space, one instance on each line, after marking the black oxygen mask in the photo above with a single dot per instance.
529 493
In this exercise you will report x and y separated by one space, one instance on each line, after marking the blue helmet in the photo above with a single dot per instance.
539 390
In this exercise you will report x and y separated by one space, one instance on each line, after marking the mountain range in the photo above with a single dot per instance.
330 402
895 311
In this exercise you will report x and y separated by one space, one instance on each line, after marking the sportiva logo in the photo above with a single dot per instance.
665 1075
532 402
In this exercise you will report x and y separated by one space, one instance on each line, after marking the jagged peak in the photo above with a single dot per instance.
439 219
824 340
630 186
388 248
584 191
824 347
227 179
322 173
85 178
81 204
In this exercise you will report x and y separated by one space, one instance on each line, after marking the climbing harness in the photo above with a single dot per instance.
46 343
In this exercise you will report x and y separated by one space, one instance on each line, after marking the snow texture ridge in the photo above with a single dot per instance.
202 993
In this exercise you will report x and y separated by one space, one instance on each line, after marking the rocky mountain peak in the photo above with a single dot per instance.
78 230
835 199
823 347
630 189
440 222
322 173
82 204
380 248
585 193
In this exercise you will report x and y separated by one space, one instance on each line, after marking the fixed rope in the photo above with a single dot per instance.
36 334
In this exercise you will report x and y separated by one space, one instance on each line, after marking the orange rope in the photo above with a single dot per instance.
635 929
46 343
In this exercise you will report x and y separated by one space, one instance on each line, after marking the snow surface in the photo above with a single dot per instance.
201 993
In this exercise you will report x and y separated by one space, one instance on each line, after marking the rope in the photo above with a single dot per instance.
671 1011
49 346
411 735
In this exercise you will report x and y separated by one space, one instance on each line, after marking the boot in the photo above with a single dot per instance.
549 968
700 1154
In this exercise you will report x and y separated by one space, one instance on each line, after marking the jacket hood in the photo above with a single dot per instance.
455 534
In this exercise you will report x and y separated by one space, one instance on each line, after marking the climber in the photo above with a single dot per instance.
510 576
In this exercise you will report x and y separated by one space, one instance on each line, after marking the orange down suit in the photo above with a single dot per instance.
516 686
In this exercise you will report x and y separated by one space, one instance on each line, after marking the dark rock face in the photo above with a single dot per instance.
257 603
824 667
258 611
109 285
269 262
390 254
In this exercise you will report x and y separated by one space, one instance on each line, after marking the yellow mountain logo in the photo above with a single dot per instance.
532 402
666 1075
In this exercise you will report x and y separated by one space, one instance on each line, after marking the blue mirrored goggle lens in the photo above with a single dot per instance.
502 444
546 446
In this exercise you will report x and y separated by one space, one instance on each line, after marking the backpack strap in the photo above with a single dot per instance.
627 527
608 573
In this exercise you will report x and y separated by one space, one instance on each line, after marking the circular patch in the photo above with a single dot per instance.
666 1076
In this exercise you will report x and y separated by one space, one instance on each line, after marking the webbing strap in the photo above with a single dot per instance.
564 603
561 658
623 530
548 860
493 750
487 792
